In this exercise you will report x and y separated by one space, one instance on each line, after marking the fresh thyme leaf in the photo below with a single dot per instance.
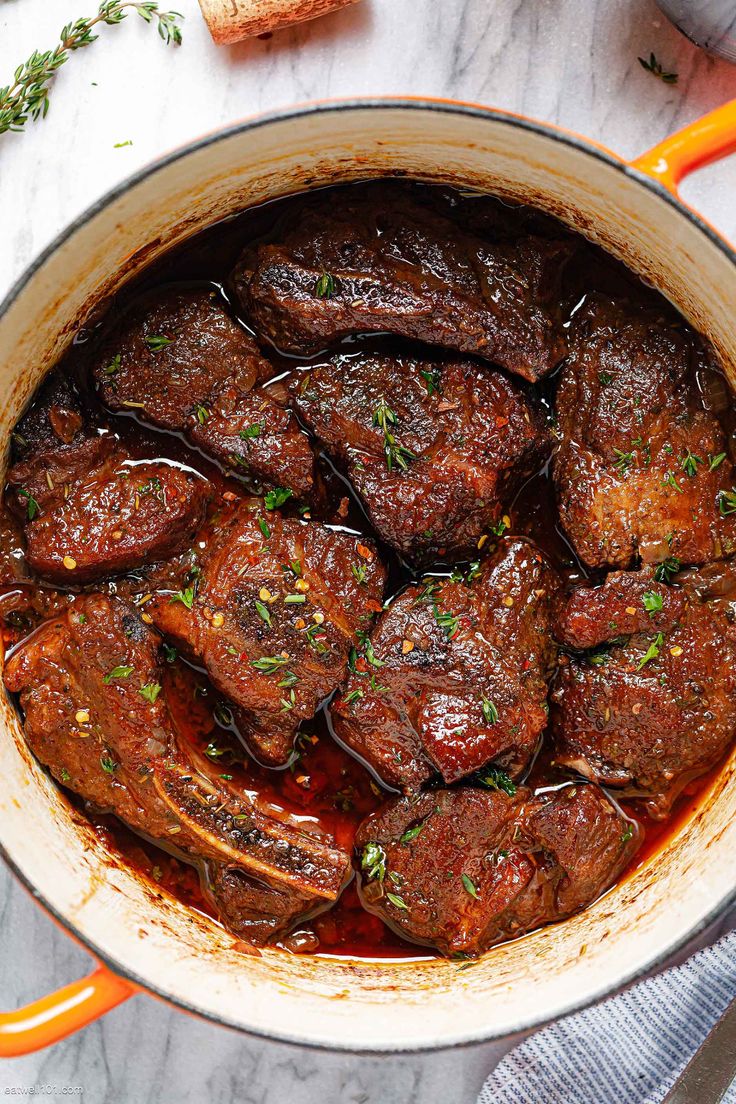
449 622
150 691
295 599
670 481
359 572
27 96
264 527
412 833
727 502
652 651
373 861
113 366
277 497
170 653
655 67
431 380
65 775
119 145
397 456
263 612
489 710
716 461
186 597
32 507
157 342
202 413
652 602
624 460
689 463
108 764
353 696
470 886
324 288
397 901
604 378
496 779
665 570
269 664
627 833
117 673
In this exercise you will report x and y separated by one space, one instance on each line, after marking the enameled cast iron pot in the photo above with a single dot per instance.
142 938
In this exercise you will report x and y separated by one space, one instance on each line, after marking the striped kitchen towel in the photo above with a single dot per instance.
630 1048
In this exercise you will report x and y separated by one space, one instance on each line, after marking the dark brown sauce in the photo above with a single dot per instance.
324 782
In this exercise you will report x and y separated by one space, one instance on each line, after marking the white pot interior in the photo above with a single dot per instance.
157 940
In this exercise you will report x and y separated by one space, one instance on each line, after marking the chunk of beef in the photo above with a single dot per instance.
279 604
179 361
379 260
463 869
434 448
650 711
89 510
90 685
455 673
641 470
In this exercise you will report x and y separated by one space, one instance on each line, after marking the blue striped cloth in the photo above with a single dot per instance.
627 1050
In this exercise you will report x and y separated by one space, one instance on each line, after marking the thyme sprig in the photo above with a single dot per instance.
27 96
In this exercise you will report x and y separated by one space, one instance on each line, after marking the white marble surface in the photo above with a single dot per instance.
572 62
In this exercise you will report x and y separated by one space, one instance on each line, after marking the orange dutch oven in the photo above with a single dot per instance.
145 940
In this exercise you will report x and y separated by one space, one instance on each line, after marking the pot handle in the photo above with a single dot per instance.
54 1017
706 140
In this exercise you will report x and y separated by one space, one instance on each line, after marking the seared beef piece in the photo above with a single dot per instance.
379 260
280 603
90 687
464 869
433 447
180 362
638 470
626 602
455 674
88 509
651 711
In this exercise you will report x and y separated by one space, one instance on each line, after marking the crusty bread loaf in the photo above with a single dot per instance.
233 20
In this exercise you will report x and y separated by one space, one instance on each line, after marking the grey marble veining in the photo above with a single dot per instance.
572 62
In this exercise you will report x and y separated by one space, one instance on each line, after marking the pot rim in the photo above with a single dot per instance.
390 103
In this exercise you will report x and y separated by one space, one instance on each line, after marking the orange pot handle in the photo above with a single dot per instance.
706 140
52 1018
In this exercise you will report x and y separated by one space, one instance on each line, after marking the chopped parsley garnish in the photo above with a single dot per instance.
499 528
186 597
32 507
108 764
397 901
277 497
689 463
652 651
665 570
470 886
716 461
496 779
397 456
652 602
150 691
373 861
489 710
117 673
113 366
251 431
157 342
727 502
263 612
269 664
324 288
654 66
